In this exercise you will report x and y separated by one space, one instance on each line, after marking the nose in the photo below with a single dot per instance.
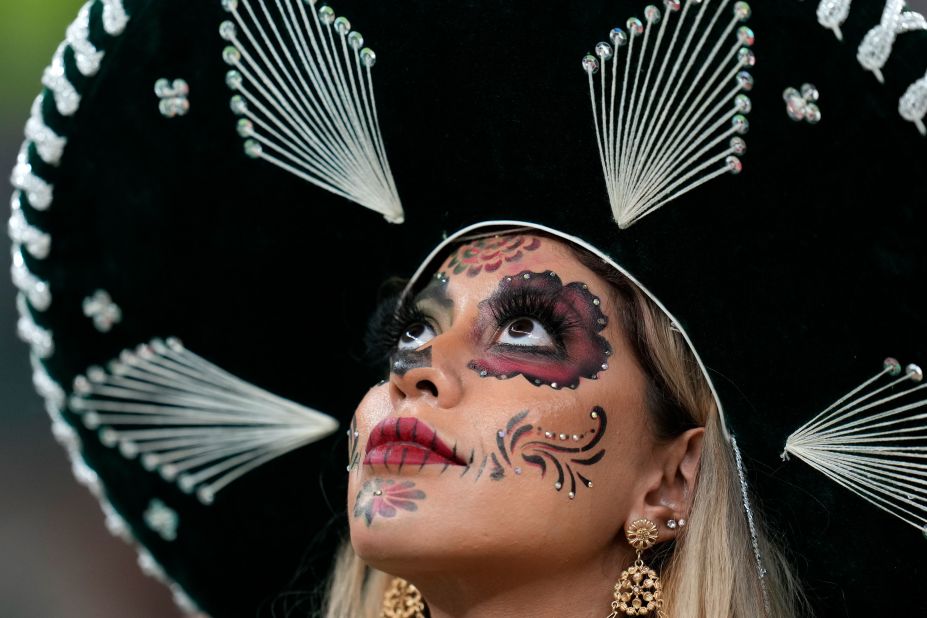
427 375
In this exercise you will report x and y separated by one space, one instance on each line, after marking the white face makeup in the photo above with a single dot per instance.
512 428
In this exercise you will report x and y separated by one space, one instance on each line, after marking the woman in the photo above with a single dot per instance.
457 480
740 292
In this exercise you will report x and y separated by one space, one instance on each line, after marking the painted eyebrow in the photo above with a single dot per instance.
435 295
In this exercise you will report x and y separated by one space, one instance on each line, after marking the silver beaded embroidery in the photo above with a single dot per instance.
48 144
162 519
802 104
745 497
39 339
36 190
832 14
34 289
114 522
102 310
115 17
86 56
45 386
877 45
913 104
34 240
173 97
150 566
67 100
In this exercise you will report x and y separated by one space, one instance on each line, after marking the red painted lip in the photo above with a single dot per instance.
408 441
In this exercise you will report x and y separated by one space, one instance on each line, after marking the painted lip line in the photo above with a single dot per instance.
408 441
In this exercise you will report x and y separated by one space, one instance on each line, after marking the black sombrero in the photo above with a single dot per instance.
210 194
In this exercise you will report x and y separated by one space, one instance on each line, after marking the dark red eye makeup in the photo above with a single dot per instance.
535 326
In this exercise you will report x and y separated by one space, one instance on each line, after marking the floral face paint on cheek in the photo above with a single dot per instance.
488 254
543 330
385 498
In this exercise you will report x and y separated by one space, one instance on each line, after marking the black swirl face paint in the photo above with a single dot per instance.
569 318
564 453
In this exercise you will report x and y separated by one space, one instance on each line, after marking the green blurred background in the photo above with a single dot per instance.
56 557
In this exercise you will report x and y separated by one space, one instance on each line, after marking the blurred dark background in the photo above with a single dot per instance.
56 557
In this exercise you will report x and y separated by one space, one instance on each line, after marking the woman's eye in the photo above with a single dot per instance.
415 336
526 332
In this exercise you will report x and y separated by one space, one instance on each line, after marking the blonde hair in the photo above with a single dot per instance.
710 570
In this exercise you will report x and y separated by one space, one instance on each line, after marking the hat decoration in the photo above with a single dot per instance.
873 441
193 435
876 47
189 420
678 126
308 98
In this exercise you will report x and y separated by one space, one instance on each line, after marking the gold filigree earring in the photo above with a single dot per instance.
639 592
402 600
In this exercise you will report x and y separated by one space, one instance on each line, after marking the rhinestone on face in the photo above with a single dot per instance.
590 64
548 434
563 436
378 492
594 414
558 485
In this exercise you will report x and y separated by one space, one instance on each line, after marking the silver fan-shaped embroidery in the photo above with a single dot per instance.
873 441
196 424
305 97
675 121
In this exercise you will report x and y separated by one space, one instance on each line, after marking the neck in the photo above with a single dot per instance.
580 589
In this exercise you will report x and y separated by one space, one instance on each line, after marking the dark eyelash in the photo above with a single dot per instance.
388 324
527 303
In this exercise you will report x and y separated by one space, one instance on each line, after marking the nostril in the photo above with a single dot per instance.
427 385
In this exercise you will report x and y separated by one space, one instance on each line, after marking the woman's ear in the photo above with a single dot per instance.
669 494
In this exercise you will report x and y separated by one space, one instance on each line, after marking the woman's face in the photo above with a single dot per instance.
512 430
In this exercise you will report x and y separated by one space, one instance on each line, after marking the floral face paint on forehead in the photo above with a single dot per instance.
543 330
488 254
